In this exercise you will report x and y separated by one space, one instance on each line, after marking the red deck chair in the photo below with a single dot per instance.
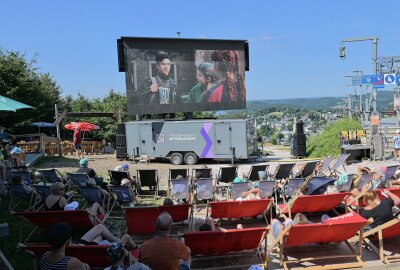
178 212
240 209
79 220
214 243
96 255
333 230
312 203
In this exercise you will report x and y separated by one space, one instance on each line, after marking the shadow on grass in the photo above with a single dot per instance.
57 162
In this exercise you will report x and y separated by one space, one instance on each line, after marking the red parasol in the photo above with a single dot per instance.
84 126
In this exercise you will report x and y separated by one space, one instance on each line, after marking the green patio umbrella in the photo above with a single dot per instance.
8 104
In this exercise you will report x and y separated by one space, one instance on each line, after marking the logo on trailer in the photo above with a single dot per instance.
160 138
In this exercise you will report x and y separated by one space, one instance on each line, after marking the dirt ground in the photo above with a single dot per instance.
104 162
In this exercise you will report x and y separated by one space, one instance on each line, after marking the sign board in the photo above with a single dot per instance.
390 78
356 80
377 81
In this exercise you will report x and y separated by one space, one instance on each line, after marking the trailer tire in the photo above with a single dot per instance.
176 159
190 158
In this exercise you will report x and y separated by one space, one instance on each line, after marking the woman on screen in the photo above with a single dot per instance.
206 79
230 84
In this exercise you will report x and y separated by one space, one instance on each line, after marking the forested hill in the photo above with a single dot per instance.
385 101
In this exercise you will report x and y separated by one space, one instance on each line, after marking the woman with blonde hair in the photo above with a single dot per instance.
379 210
56 200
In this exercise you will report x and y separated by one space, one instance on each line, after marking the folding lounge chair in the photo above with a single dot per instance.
179 188
333 230
25 175
318 185
267 188
283 171
308 169
124 195
388 230
231 242
227 174
178 212
325 165
94 255
51 175
391 171
253 173
206 172
340 161
18 191
365 179
346 186
79 220
92 195
204 189
312 203
78 179
293 187
173 173
240 209
238 189
149 178
117 176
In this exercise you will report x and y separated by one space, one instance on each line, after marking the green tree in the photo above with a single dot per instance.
21 80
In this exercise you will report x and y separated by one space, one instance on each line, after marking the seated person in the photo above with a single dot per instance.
298 169
20 181
100 235
118 256
251 194
163 252
380 210
208 224
83 163
59 236
57 200
125 168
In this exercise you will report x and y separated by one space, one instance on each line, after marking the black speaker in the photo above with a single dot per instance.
299 128
299 145
121 55
121 152
120 140
121 129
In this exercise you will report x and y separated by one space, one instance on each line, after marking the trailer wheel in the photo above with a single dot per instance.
176 159
190 158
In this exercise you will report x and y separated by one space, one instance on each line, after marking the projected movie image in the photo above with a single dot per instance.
184 80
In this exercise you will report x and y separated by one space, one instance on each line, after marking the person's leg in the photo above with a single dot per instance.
99 231
126 239
96 209
277 227
210 221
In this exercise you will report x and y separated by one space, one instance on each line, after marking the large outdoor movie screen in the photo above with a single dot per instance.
183 75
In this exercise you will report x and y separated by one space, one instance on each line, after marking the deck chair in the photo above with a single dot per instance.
227 174
25 175
19 194
312 203
333 230
78 179
283 171
340 161
225 243
309 169
238 189
92 195
267 188
43 191
364 179
179 188
124 195
346 186
254 169
94 255
117 176
318 185
389 175
148 178
173 173
293 186
325 166
206 172
51 175
79 220
178 212
240 209
204 188
388 230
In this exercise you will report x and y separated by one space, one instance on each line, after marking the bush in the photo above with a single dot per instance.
328 141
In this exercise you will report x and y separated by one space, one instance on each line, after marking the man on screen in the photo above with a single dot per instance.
162 88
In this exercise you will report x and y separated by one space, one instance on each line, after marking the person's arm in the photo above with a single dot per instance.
63 202
76 264
394 197
184 251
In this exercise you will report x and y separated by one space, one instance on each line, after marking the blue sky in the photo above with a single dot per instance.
293 44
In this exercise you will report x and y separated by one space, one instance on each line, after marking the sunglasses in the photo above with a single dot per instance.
61 189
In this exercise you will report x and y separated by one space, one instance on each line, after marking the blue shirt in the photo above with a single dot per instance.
396 140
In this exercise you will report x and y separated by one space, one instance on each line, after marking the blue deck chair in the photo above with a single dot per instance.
179 188
340 161
238 189
254 169
21 193
365 179
51 175
325 166
293 186
43 191
309 168
267 188
148 178
345 187
318 184
390 172
78 179
124 195
26 176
